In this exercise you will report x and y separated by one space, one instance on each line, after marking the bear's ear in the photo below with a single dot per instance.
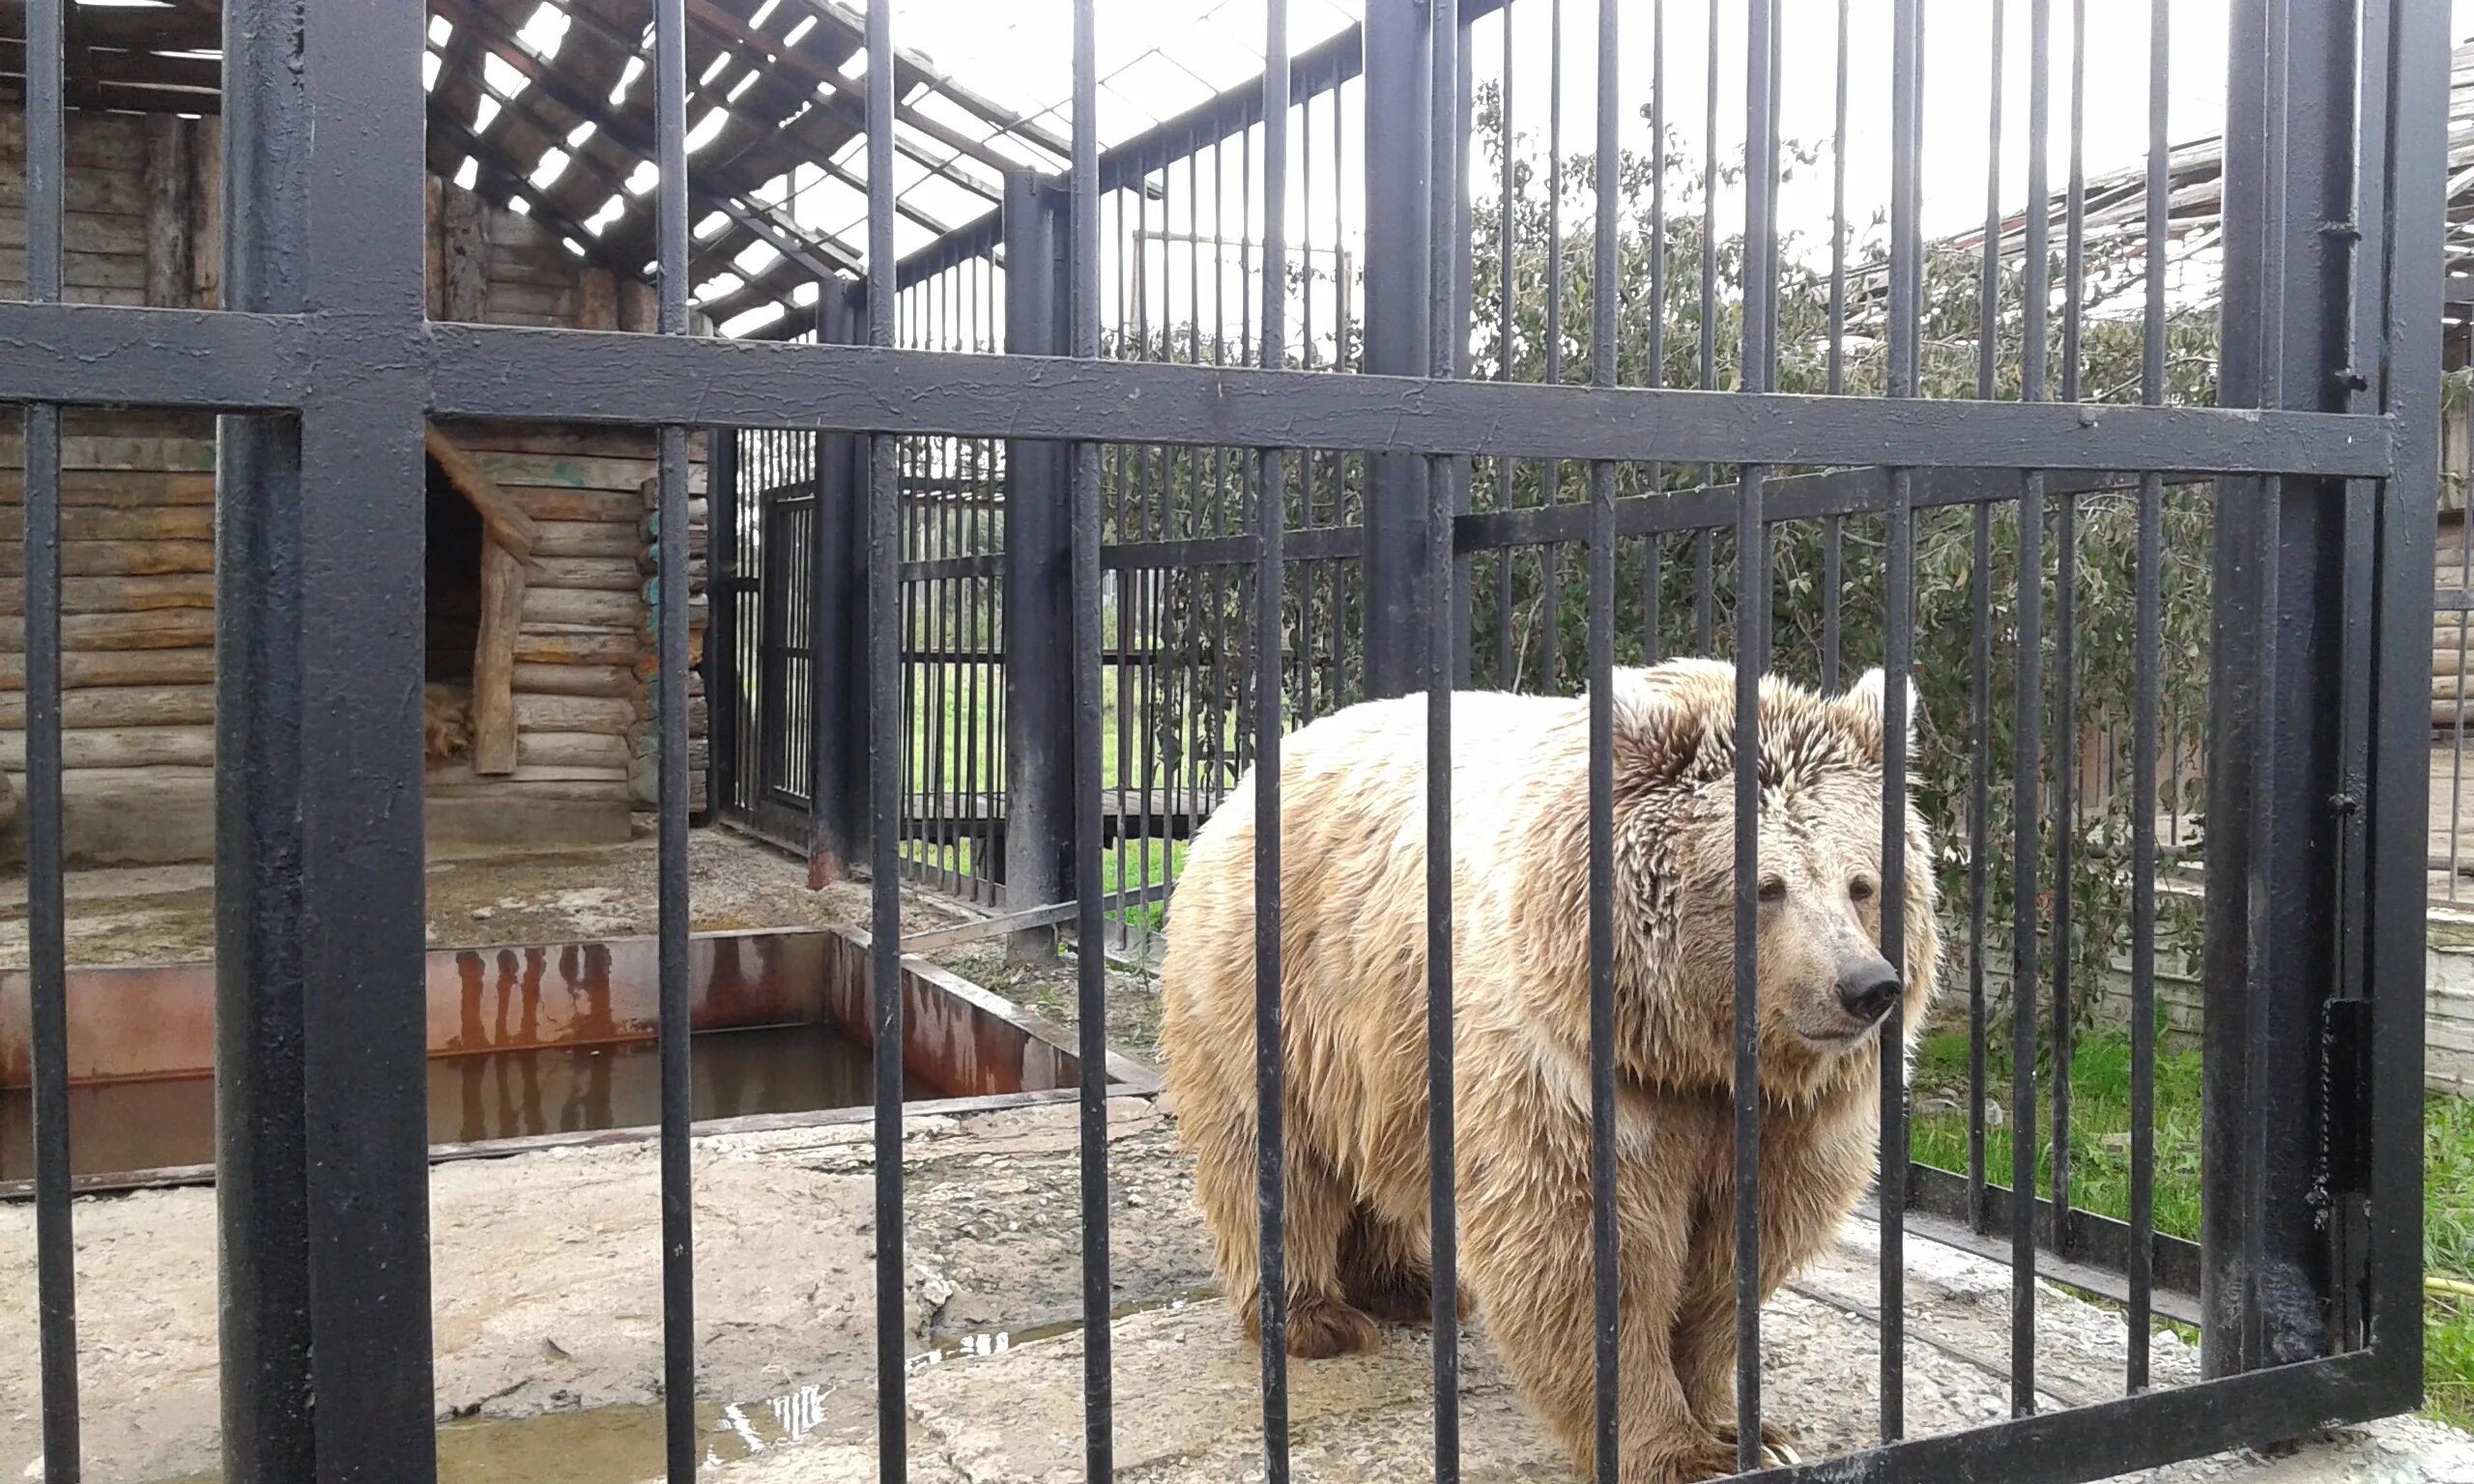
1663 718
1866 700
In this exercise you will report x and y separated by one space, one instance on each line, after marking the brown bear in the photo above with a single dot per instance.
1354 997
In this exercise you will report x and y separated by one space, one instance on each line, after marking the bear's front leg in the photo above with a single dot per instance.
1528 1251
1705 1326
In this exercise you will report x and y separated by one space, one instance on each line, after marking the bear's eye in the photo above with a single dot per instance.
1773 889
1862 889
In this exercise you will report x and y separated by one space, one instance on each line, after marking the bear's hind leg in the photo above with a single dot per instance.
1321 1321
1388 1272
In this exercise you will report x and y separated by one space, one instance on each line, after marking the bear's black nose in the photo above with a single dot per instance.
1867 994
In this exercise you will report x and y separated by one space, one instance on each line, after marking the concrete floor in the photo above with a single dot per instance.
548 1329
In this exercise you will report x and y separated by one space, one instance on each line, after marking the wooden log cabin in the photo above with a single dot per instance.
539 694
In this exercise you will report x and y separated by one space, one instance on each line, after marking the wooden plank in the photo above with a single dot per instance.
594 506
84 667
168 179
173 629
135 746
567 471
125 705
624 611
138 454
494 712
133 522
537 644
206 206
117 558
639 307
509 523
557 749
586 538
597 303
587 574
536 678
118 595
613 715
464 252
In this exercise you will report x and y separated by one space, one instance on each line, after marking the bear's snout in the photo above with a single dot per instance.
1866 992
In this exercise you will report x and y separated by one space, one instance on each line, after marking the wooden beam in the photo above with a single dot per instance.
502 516
464 256
494 729
168 178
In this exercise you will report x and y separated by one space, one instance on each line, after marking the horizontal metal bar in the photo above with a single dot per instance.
985 564
1322 543
984 927
2127 1434
608 376
111 354
1803 498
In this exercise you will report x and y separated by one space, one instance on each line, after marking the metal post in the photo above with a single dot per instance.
1398 170
322 1136
2274 769
722 679
838 637
1039 587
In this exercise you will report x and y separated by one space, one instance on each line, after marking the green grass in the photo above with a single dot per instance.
2100 1170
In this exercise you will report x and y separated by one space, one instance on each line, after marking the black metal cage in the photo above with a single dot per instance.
1011 490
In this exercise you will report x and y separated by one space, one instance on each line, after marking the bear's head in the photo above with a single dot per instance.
1825 986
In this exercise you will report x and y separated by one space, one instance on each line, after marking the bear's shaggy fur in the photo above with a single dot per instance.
1353 946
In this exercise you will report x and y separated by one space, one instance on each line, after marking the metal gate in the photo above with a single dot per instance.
2322 451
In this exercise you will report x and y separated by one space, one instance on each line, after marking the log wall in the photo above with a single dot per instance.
138 518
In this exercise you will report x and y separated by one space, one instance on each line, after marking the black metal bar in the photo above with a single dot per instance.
2026 781
885 783
2065 692
1038 580
1271 517
838 665
1090 964
2275 758
682 1438
1438 667
46 923
222 361
1550 558
2148 580
725 498
1398 151
1604 1232
1654 574
504 371
1980 659
2394 924
319 883
1906 287
1752 660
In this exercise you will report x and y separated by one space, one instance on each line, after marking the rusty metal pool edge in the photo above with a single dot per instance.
938 1003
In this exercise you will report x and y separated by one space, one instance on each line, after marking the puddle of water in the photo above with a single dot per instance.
496 1095
625 1444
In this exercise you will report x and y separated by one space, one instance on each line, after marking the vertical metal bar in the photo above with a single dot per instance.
885 779
683 1438
1898 634
1398 169
2395 922
1038 586
1508 194
322 1178
47 928
1090 961
1270 515
1654 574
2148 581
1604 1231
1445 329
2065 683
1980 660
1834 580
722 471
1550 562
2276 760
2026 783
1705 548
1752 659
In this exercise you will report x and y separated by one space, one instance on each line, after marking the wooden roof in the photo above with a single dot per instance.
547 105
